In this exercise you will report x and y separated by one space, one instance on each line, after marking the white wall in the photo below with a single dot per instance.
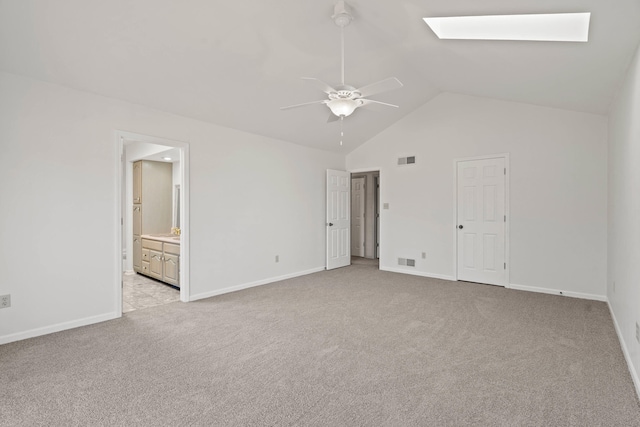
624 215
251 198
558 189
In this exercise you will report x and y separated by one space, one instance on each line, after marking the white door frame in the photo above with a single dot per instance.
120 137
504 156
377 235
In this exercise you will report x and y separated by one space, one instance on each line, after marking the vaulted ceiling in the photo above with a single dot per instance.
234 63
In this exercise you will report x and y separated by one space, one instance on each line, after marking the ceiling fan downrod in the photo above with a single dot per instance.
342 17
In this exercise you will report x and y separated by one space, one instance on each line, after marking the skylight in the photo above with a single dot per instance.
563 27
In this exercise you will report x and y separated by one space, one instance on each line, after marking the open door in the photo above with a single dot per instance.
338 219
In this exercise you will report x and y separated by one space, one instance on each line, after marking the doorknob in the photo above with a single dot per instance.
330 224
460 227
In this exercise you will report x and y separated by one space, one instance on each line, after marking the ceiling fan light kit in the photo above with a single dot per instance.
344 99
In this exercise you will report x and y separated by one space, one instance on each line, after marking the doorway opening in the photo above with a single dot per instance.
153 214
365 217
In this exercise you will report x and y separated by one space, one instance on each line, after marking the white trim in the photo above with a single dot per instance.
255 284
45 330
625 351
120 136
365 170
507 202
558 292
419 273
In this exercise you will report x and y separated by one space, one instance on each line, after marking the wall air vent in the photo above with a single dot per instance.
409 160
406 261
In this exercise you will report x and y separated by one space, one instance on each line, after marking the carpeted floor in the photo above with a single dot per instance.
349 347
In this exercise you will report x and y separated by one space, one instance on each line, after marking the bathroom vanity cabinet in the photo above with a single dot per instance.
160 258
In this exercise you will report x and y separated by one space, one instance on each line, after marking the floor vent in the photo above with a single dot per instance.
411 262
402 261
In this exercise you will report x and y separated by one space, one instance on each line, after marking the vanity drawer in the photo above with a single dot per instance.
172 249
145 255
152 244
144 267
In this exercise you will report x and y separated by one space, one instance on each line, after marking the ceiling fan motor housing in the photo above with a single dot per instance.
342 14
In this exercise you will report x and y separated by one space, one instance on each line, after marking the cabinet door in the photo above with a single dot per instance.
137 251
155 264
137 220
137 182
172 269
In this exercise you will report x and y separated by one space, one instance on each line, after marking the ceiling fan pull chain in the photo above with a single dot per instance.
341 129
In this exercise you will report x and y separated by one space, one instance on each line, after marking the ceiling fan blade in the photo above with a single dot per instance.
381 86
320 84
371 103
302 105
332 118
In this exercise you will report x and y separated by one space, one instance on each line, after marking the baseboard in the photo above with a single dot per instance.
625 351
5 339
418 273
253 284
581 295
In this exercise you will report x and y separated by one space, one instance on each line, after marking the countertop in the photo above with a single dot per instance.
166 238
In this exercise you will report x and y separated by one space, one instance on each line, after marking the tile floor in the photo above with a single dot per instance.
142 292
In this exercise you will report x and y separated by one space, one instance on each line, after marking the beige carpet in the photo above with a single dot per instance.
348 347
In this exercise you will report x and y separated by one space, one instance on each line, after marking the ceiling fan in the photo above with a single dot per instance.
344 99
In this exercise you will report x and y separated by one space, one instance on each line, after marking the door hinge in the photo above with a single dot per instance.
505 171
505 218
505 265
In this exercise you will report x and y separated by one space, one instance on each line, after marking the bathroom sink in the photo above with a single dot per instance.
161 235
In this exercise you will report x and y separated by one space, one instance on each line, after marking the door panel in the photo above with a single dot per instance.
137 250
155 264
172 269
338 219
137 182
137 220
481 221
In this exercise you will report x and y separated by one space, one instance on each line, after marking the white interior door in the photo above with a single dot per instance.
338 219
481 221
357 216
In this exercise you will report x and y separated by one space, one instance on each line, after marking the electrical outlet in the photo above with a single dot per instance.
5 301
277 258
637 332
424 255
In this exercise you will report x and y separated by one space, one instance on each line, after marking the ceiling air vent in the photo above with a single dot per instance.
410 160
